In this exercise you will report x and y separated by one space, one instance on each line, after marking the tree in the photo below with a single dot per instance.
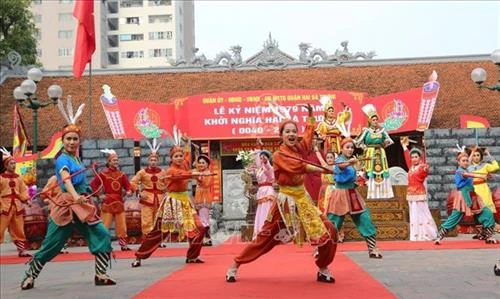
17 30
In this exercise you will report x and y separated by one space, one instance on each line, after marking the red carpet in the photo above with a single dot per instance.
286 271
233 246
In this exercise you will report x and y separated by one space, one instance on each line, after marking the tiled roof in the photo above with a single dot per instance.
458 94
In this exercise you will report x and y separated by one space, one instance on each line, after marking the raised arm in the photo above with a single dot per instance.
306 142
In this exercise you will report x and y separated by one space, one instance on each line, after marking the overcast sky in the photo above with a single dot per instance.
393 29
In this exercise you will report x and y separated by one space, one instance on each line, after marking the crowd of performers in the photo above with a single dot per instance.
284 214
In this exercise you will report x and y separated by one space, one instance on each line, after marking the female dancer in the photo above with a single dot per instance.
422 225
373 140
467 202
327 181
176 216
483 167
293 210
202 198
347 200
72 209
265 194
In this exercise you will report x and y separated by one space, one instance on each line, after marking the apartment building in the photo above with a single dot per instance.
129 33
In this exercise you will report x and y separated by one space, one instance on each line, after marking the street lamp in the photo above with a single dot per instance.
478 75
27 91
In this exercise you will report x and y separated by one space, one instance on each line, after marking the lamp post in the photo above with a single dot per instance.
478 75
27 91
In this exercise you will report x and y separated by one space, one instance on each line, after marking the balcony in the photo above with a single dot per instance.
113 41
113 24
113 58
112 7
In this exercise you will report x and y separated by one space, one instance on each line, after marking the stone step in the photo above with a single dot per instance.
379 215
394 230
384 204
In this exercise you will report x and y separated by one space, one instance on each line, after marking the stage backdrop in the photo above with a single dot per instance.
246 114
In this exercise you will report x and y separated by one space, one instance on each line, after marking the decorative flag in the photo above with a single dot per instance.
112 111
21 141
85 39
472 121
50 152
428 102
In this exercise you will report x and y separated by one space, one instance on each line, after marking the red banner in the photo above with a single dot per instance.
232 147
247 115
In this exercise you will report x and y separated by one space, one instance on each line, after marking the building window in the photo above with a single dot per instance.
38 35
132 54
39 52
160 19
180 11
65 17
37 18
132 20
65 52
160 52
37 2
160 35
65 67
65 1
65 34
131 3
159 2
131 37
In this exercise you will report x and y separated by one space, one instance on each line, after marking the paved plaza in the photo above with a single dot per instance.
456 273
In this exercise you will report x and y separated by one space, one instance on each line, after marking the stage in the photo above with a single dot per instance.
460 267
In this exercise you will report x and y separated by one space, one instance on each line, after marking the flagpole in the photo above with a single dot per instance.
90 96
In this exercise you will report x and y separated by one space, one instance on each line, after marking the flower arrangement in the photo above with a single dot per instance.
246 158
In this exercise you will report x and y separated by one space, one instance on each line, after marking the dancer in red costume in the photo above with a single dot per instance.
114 182
176 218
293 209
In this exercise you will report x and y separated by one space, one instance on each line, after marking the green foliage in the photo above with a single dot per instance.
17 30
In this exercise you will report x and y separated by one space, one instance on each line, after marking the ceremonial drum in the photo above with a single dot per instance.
133 220
35 225
496 201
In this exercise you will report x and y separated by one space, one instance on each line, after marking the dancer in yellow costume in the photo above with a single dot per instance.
484 167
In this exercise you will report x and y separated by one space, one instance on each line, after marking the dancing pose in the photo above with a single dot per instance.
176 218
373 140
202 198
293 211
153 188
265 194
347 200
484 167
113 183
331 127
327 180
13 192
422 225
72 209
467 202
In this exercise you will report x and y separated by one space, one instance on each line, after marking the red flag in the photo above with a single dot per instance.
85 39
20 142
472 121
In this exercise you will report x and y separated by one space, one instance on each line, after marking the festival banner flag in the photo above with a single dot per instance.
428 102
21 141
50 152
85 39
471 121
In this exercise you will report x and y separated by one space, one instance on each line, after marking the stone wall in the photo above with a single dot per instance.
440 144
